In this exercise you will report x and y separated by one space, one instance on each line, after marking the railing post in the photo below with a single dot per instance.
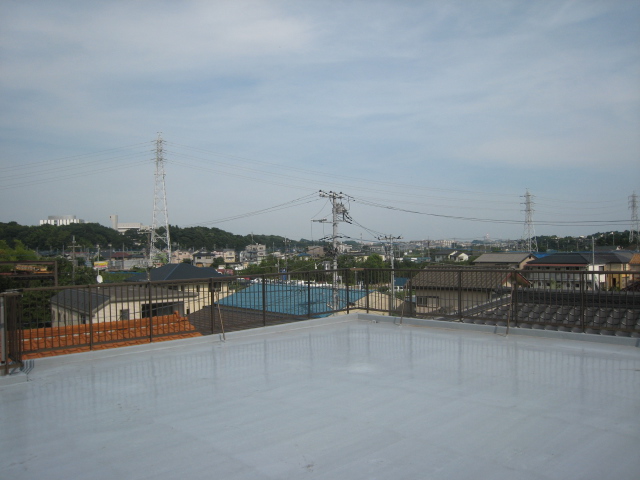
212 317
582 301
11 331
366 286
150 313
308 295
460 295
514 303
264 302
4 358
346 283
412 312
90 318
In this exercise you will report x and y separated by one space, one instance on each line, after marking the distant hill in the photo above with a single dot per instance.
51 238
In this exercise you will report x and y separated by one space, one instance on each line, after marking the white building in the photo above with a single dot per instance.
254 253
58 220
123 227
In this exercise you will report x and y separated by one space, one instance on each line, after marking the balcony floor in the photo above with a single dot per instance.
335 398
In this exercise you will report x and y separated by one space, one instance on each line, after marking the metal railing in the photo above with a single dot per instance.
55 320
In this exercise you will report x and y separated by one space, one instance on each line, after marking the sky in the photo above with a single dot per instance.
432 118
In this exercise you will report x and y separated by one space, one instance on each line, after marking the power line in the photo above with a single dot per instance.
292 203
490 220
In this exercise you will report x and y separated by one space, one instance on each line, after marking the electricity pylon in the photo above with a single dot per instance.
529 231
160 242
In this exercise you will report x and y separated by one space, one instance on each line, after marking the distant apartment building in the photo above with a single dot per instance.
123 227
58 220
253 253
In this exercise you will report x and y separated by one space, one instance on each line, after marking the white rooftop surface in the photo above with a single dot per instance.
338 398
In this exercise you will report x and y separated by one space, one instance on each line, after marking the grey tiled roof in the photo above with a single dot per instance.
510 258
177 271
470 279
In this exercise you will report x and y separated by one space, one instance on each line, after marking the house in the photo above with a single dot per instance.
204 258
515 260
634 266
126 260
316 251
179 256
80 306
459 257
229 255
449 291
447 254
561 270
195 280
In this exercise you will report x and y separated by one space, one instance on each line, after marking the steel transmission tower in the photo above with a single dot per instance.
529 231
635 223
160 243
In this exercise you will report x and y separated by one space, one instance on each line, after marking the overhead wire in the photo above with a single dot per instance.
64 168
493 220
38 164
292 203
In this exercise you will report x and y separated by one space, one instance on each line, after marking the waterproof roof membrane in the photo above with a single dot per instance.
333 398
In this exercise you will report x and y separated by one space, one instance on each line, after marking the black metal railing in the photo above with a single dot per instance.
11 344
42 321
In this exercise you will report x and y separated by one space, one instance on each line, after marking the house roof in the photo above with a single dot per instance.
506 258
121 255
445 251
177 271
79 299
470 279
581 259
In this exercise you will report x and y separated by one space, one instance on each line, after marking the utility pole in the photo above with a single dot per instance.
339 214
529 231
73 260
635 223
159 243
389 239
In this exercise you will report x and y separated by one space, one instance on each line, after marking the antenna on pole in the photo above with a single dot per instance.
159 243
529 231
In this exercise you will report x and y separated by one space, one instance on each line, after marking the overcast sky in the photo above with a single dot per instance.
435 117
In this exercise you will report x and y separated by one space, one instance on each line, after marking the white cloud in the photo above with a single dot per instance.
429 87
